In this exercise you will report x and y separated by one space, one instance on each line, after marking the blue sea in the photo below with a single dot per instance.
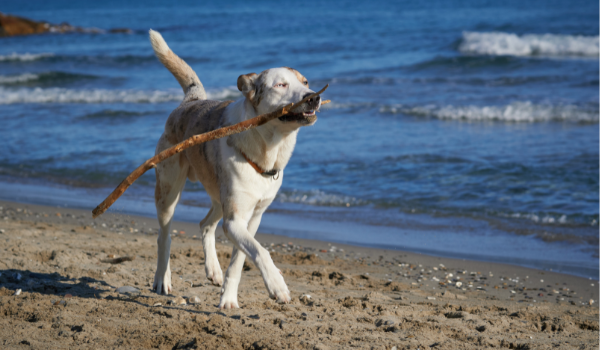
465 129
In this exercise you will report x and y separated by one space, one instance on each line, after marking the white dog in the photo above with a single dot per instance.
241 173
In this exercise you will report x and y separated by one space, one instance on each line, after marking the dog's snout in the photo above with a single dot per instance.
315 99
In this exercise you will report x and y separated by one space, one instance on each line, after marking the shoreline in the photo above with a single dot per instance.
419 234
342 296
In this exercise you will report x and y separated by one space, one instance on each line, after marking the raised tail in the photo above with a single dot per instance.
185 75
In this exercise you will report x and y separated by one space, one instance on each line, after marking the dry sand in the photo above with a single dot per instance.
343 296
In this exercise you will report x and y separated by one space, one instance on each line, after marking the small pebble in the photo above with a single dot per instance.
430 298
178 301
590 302
68 296
305 298
194 300
18 292
129 291
459 284
157 304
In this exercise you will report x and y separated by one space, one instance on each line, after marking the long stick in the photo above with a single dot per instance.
192 141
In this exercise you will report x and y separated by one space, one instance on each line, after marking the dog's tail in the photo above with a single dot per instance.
185 75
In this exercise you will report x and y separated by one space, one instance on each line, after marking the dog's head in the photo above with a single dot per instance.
277 87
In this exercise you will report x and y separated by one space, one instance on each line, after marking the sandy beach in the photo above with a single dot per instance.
343 296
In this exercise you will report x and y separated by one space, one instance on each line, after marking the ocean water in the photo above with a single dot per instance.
457 128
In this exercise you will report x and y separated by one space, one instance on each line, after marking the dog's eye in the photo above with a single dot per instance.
306 82
282 85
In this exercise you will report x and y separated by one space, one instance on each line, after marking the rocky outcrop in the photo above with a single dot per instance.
13 25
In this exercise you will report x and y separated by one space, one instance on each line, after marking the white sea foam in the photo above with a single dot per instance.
545 219
513 112
228 93
498 43
62 95
316 197
22 78
24 56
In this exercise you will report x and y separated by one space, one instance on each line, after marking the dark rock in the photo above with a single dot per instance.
13 25
121 30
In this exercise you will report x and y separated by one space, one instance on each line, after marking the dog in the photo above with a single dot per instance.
241 173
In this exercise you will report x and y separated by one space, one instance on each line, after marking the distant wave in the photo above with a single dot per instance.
100 59
318 198
46 77
24 56
62 95
15 79
513 112
228 93
114 114
508 44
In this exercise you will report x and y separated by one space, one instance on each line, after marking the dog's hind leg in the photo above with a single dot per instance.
170 180
233 275
207 228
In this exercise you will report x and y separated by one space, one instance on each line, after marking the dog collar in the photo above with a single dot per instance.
258 169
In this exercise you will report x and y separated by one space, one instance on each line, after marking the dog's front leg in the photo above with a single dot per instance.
237 231
233 275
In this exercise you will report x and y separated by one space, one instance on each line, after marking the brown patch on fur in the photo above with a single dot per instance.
299 76
246 83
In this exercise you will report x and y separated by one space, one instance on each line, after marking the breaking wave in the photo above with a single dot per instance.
62 95
508 44
23 57
513 112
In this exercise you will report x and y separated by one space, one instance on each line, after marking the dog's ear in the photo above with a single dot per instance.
245 84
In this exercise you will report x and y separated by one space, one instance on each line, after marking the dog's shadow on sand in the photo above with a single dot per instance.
82 287
50 283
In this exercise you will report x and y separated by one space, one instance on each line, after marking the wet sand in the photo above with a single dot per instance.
343 296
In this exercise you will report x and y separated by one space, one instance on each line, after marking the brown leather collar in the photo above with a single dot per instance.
258 169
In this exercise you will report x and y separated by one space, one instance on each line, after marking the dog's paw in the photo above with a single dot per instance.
213 271
162 283
277 288
228 302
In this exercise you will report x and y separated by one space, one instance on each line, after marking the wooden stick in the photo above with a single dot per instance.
196 140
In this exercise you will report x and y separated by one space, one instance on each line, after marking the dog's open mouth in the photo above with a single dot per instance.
304 117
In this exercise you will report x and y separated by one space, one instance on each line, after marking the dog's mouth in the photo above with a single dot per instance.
302 118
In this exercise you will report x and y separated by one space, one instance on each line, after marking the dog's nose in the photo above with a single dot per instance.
312 100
